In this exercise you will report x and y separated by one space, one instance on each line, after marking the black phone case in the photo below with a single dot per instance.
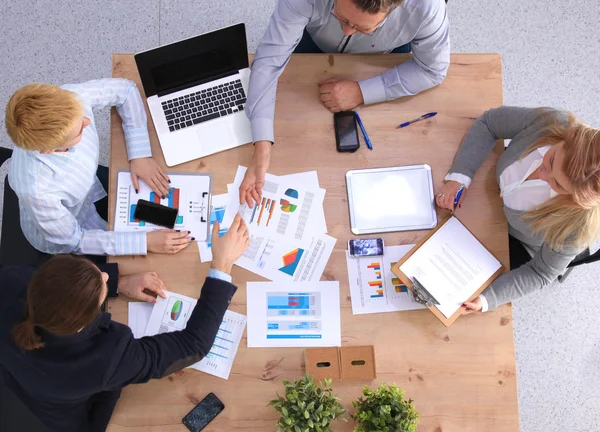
337 135
191 417
158 207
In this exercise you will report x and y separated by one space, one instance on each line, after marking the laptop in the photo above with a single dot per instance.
196 91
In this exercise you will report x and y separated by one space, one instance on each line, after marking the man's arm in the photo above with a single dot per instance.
427 68
156 356
63 234
124 95
272 55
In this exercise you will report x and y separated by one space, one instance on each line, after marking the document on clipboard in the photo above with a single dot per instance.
190 194
447 268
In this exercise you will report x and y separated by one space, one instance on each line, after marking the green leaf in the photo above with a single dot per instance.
284 411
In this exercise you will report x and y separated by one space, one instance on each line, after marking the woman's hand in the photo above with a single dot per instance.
134 285
472 306
148 170
444 198
167 241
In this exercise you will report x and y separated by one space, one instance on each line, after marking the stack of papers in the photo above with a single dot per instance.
172 314
288 240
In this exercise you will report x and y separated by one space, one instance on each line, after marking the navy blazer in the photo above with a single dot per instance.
74 381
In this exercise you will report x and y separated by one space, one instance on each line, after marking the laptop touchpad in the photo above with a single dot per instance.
215 135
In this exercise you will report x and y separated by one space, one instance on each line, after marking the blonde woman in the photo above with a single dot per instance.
549 178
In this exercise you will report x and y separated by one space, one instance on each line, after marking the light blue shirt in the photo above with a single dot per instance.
57 191
423 23
218 274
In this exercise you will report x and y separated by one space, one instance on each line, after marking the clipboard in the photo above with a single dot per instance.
190 193
423 293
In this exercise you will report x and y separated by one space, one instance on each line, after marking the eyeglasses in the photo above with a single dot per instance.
367 31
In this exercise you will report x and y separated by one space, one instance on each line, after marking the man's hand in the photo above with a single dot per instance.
254 179
134 285
227 249
148 170
340 95
168 241
472 306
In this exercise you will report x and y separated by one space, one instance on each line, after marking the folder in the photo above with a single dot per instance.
446 268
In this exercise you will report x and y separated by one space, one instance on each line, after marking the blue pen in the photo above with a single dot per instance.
423 117
458 195
364 132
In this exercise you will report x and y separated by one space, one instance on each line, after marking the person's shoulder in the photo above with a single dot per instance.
14 281
27 174
426 8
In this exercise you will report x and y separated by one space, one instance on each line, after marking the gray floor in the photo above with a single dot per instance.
551 53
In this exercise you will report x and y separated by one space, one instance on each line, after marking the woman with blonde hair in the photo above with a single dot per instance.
549 178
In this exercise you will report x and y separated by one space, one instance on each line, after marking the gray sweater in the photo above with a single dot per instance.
523 126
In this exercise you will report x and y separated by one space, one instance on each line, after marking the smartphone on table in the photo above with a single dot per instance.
156 214
346 132
366 247
203 413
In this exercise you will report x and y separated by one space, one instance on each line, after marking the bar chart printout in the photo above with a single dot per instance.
293 315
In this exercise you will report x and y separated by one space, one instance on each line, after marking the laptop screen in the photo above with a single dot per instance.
193 61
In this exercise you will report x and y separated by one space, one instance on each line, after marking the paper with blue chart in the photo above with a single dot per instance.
173 313
373 286
287 228
217 213
188 193
305 314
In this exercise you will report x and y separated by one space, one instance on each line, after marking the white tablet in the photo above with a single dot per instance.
391 199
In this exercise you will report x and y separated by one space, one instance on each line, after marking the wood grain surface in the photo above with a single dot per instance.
461 378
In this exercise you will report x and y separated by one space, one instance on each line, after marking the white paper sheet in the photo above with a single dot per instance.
217 213
451 265
287 208
373 286
186 194
172 314
281 259
293 315
138 315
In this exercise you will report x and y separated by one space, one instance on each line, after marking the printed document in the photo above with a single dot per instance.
138 315
217 213
294 315
452 265
173 313
373 286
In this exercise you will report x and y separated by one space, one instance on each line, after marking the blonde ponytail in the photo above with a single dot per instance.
25 336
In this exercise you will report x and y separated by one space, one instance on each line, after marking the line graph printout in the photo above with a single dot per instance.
173 313
293 315
189 194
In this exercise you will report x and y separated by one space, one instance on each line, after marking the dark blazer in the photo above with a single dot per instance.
74 381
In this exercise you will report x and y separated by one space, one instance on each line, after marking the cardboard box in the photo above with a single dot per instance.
349 363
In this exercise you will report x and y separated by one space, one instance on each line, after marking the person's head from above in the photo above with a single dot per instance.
64 295
363 16
46 118
572 169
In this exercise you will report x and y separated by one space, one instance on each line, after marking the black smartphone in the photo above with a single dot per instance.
203 413
366 247
346 132
156 214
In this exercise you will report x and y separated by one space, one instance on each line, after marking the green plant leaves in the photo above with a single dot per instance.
307 406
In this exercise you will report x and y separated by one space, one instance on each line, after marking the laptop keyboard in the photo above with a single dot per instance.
205 105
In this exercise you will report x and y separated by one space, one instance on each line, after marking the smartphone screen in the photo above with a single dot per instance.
346 132
155 214
366 247
208 408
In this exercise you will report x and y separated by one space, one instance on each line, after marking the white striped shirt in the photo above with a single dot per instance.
57 191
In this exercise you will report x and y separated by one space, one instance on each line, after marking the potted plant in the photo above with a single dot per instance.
307 406
384 410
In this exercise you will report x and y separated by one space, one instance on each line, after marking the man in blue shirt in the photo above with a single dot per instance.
344 26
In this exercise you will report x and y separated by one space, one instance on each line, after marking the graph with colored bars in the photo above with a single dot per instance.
399 287
220 358
172 199
377 284
216 214
263 212
294 304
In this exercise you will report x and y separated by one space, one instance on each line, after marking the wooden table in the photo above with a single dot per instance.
461 378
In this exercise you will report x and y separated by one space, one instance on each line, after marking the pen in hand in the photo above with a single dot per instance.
364 131
458 195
